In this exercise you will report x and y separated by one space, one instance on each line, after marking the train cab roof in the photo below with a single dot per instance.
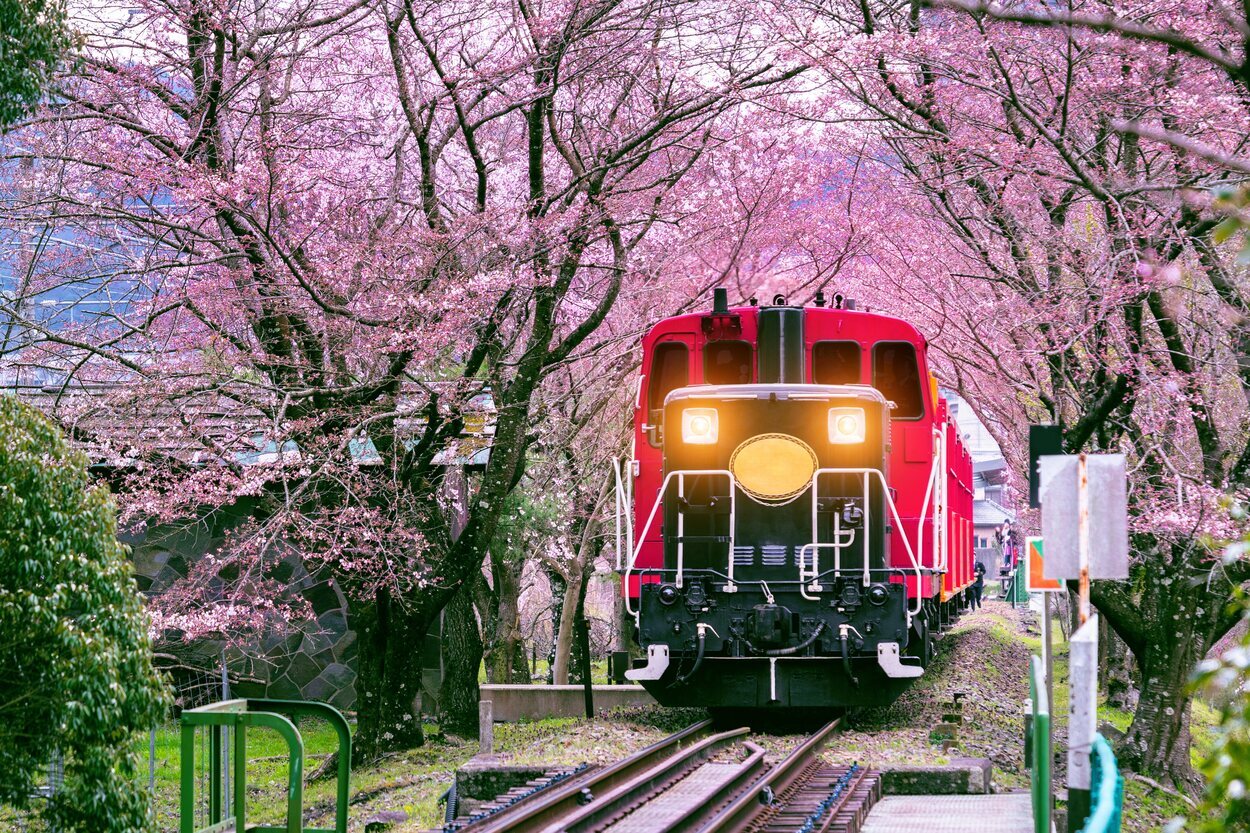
787 345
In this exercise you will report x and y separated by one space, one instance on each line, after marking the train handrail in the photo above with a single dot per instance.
900 572
659 499
681 475
889 502
624 500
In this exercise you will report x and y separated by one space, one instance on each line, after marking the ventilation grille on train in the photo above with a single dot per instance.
772 555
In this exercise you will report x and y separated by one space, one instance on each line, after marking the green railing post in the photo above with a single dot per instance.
240 776
186 802
1019 588
299 708
1039 747
216 812
236 716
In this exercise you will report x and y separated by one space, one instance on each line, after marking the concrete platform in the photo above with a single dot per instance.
1004 813
511 703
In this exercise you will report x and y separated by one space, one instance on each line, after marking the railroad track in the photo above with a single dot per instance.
702 782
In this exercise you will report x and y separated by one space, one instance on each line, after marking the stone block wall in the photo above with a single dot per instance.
315 662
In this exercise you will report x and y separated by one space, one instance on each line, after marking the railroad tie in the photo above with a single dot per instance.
834 799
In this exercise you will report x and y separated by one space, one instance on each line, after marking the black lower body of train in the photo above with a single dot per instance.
765 645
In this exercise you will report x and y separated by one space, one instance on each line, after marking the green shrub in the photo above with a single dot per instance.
1225 681
76 671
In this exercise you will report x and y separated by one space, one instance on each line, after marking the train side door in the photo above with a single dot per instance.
667 365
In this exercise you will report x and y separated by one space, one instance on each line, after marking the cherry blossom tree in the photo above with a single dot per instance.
1063 267
316 233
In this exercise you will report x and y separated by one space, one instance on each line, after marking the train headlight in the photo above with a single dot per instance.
846 426
699 426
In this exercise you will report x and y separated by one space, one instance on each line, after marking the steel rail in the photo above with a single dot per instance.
536 811
651 784
759 797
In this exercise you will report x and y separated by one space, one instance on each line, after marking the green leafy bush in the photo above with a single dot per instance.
1226 682
33 39
76 671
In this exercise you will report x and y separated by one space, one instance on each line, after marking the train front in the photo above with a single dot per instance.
775 514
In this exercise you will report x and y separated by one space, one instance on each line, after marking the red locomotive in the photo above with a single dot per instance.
802 508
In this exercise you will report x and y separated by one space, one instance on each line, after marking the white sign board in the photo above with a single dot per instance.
1106 501
1083 703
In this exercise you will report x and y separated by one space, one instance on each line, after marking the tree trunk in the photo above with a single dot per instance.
506 645
580 569
462 660
581 630
1115 663
562 657
388 675
1170 616
1158 740
558 585
521 672
1179 631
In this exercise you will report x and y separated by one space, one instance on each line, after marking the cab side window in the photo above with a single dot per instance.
727 363
835 363
670 369
896 373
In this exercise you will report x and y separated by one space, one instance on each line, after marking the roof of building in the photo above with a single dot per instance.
117 431
992 471
991 513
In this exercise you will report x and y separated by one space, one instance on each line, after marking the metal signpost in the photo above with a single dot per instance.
1085 527
1037 583
1082 719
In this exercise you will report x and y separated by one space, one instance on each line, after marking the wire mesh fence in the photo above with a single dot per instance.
194 687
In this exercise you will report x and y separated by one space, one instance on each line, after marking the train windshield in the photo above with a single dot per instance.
896 373
727 363
835 363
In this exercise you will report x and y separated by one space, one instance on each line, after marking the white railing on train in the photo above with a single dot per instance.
937 477
815 546
681 475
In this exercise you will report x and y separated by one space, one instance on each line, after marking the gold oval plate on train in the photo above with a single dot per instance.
773 468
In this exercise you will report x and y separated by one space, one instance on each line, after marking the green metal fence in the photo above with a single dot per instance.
1019 592
1037 755
1106 790
233 718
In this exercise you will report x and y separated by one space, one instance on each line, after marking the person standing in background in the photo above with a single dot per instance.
978 586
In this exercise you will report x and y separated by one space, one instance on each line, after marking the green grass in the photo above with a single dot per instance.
268 769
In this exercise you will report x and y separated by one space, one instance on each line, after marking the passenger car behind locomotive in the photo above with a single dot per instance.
801 504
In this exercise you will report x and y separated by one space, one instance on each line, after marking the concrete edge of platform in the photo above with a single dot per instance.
484 777
962 776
